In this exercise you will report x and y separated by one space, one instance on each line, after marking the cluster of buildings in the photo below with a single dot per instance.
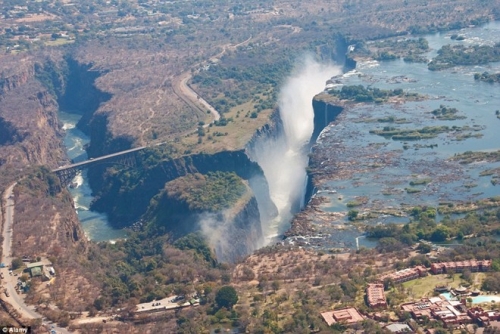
451 313
350 316
40 269
482 317
407 274
460 266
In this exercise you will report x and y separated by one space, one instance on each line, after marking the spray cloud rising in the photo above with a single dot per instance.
284 158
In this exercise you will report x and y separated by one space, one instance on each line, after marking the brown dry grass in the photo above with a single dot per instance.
46 226
36 18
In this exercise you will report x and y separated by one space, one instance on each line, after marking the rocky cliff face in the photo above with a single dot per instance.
242 235
29 132
325 112
125 195
30 135
16 77
232 232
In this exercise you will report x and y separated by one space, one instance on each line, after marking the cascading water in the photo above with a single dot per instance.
284 158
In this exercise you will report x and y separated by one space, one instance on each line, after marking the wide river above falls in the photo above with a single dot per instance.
380 172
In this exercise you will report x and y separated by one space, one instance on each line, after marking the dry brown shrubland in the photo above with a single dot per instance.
52 231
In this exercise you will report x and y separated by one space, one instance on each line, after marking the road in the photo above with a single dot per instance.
193 96
188 95
9 282
104 157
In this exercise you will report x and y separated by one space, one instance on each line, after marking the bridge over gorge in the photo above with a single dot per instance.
127 158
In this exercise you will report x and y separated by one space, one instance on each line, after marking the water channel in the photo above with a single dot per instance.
94 224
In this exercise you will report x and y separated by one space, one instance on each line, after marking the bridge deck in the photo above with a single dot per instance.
98 159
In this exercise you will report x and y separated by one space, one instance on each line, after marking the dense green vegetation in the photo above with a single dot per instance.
41 179
420 44
212 192
457 37
411 134
51 75
146 267
387 119
427 132
415 58
470 157
385 56
450 56
487 77
446 113
419 182
409 49
233 82
226 297
423 226
360 93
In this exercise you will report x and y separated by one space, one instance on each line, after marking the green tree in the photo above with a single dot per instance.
226 297
424 248
352 214
440 234
17 263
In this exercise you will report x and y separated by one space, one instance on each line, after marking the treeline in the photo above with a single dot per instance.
213 192
423 226
359 93
440 27
486 77
418 44
410 49
450 56
246 76
145 267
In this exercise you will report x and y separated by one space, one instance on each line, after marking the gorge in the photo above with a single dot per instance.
273 164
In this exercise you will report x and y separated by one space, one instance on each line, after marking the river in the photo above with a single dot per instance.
94 224
379 171
454 87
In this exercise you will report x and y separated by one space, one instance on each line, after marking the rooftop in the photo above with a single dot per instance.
35 264
399 328
347 315
375 294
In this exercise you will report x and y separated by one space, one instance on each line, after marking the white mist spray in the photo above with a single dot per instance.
284 159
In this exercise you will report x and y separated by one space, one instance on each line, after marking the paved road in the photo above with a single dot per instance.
9 282
186 93
194 97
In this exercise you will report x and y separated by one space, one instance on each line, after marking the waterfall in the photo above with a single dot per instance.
284 157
